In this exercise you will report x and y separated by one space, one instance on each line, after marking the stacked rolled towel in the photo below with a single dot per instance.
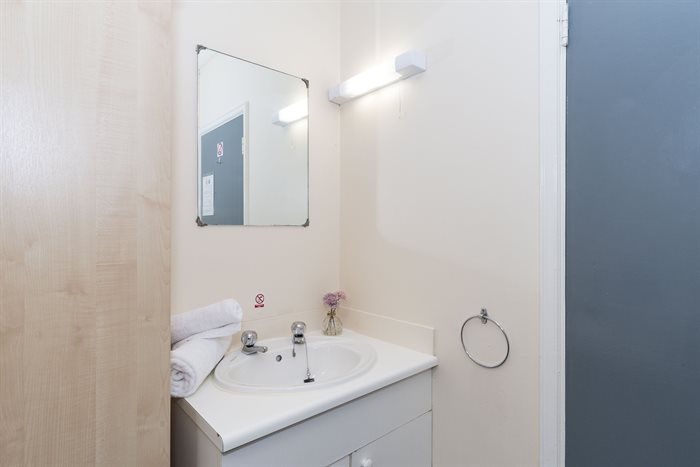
200 338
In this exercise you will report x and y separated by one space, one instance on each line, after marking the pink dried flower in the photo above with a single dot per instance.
332 299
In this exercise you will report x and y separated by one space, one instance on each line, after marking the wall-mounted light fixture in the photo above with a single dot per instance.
403 66
292 113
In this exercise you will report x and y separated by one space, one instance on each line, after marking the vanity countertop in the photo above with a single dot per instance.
232 419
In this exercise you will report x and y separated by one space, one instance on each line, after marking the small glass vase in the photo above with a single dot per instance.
332 326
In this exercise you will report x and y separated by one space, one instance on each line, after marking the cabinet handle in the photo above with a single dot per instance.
366 462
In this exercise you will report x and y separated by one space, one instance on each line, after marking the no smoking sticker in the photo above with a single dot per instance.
260 301
219 152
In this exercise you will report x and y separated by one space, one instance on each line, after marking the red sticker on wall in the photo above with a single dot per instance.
219 151
260 301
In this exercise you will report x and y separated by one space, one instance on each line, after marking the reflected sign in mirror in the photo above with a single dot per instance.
253 143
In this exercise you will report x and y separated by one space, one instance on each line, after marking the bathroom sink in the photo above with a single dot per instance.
332 360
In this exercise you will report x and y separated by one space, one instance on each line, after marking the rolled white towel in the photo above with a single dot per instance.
192 360
209 318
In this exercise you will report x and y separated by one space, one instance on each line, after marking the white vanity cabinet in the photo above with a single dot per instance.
407 446
388 427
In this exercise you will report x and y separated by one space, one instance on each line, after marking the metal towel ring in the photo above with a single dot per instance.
485 318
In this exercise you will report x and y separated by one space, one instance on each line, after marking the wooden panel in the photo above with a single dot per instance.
84 233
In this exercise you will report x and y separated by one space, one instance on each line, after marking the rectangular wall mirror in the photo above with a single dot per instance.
253 143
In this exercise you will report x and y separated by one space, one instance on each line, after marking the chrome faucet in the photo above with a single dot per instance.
248 339
298 329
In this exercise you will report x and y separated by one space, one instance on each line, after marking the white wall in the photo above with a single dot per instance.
277 155
439 205
292 266
439 191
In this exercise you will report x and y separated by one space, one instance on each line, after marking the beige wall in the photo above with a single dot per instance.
84 233
439 205
292 266
437 212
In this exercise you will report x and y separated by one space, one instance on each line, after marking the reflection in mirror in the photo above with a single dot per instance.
253 143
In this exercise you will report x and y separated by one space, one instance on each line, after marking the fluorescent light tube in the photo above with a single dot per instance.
403 66
292 113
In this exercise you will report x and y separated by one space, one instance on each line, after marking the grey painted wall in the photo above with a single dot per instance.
633 234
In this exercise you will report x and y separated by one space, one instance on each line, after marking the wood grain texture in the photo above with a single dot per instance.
84 233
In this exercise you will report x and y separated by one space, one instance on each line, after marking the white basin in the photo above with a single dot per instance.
332 360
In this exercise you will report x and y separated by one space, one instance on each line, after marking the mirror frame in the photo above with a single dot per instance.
244 106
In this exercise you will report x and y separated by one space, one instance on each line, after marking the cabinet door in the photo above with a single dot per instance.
407 446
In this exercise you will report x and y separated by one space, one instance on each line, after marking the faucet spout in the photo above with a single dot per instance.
248 339
298 329
253 349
